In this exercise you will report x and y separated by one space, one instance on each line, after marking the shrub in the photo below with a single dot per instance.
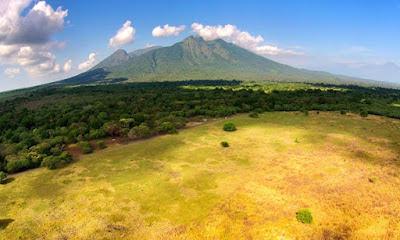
167 127
86 147
101 144
18 165
229 127
343 112
224 144
66 156
363 113
3 176
372 179
253 115
304 216
51 162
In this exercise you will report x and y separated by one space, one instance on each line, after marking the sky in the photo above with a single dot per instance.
45 41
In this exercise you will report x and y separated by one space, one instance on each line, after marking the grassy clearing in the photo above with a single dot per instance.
187 186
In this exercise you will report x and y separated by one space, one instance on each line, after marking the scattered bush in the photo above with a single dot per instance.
229 127
253 115
304 216
372 179
304 111
364 114
66 156
3 176
101 144
86 147
143 131
224 144
343 112
18 165
167 127
51 162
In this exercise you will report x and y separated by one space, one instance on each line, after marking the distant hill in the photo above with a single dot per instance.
197 59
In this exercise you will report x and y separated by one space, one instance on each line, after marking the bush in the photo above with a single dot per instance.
372 179
86 147
18 165
364 114
304 216
167 127
229 127
253 115
3 176
101 144
66 156
224 144
343 112
51 162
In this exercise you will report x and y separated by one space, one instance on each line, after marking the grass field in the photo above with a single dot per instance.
344 169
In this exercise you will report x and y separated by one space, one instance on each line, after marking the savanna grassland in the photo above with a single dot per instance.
343 168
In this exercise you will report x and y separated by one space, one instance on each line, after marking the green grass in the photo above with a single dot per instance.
186 186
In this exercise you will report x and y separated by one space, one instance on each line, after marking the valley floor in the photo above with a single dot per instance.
343 168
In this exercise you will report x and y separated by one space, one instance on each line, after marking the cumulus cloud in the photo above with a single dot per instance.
125 35
149 45
241 38
167 30
67 66
89 63
12 72
25 35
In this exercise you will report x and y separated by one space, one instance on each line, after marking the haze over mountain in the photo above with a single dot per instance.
197 59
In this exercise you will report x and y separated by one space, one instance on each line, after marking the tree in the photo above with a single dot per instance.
139 131
113 129
229 127
3 176
167 127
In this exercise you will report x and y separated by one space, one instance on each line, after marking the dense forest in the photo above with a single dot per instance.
37 125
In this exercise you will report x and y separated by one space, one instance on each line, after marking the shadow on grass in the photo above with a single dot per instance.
5 222
8 180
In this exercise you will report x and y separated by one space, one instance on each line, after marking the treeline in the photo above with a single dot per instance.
36 128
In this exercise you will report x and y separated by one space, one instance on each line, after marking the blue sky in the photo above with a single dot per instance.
358 38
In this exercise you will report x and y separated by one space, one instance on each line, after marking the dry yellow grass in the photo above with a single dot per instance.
187 186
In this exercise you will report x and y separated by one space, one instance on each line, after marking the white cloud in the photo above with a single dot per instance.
125 35
149 45
241 38
67 66
24 37
39 24
12 72
89 63
167 30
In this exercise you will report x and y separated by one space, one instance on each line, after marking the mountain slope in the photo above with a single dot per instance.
139 52
197 59
117 58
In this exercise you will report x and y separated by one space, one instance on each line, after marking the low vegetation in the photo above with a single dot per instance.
224 144
229 127
304 216
185 186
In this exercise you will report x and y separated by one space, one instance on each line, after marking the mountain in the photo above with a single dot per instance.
121 56
139 52
197 59
118 57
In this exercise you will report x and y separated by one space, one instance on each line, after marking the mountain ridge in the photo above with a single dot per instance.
197 59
